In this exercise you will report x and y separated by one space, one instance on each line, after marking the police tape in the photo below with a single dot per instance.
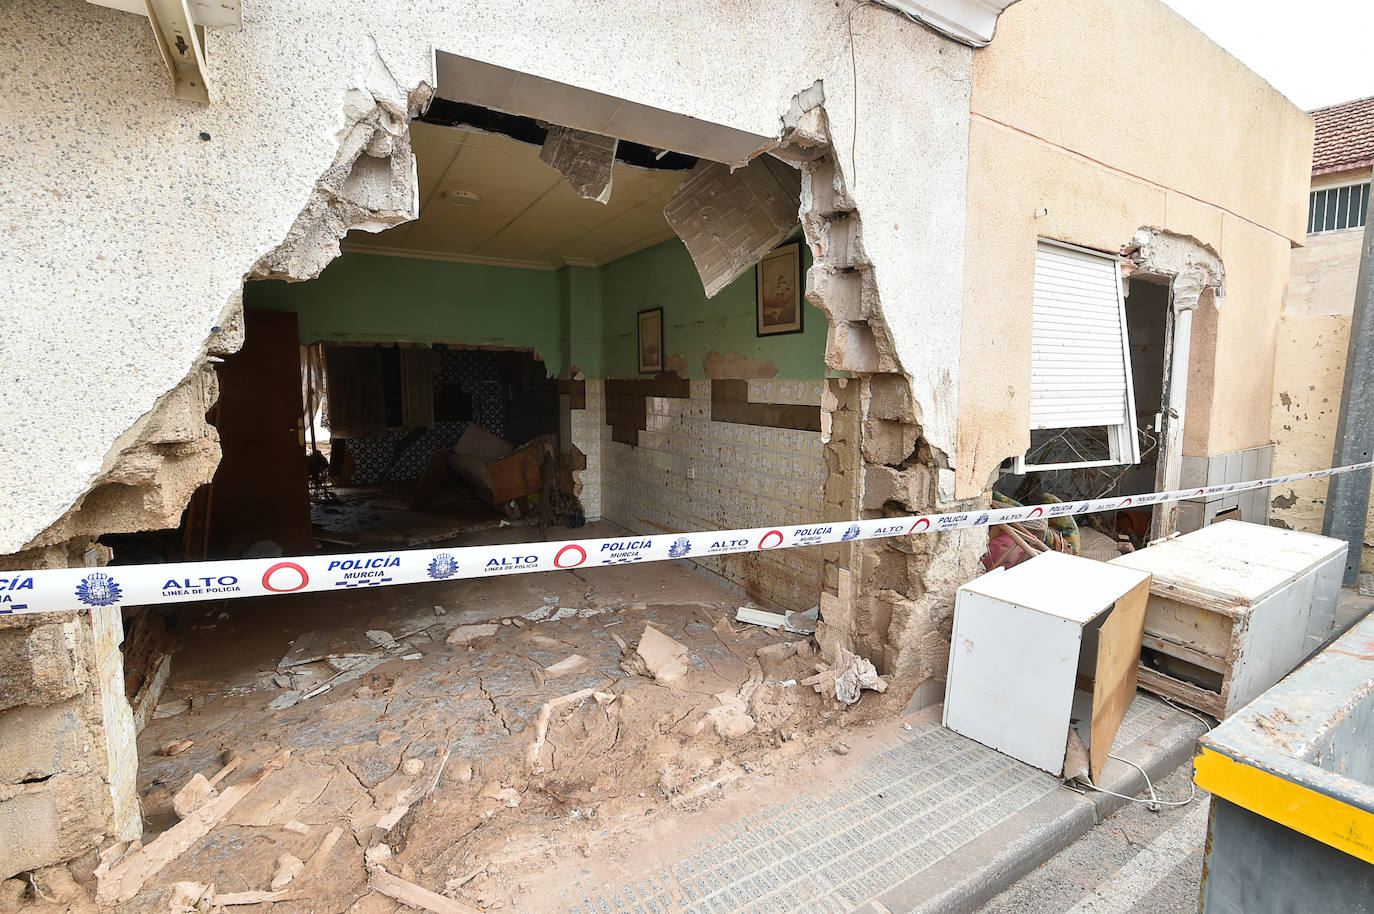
65 589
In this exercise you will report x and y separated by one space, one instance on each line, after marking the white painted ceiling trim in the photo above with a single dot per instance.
970 22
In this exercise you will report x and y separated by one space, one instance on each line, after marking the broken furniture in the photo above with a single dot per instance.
1042 662
1233 609
497 470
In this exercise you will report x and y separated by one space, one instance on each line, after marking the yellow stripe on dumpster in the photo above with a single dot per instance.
1300 808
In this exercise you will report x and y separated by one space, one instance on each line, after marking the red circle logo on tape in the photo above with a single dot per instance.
558 559
763 543
917 525
267 577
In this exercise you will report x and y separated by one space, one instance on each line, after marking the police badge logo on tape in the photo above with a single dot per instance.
681 546
98 590
443 566
851 533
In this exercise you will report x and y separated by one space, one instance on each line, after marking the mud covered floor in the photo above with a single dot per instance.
438 741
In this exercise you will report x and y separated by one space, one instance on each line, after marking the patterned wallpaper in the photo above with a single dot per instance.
519 408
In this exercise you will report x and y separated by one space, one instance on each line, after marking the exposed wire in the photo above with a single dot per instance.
854 68
1205 722
1154 802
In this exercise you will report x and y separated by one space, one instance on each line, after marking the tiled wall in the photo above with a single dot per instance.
691 473
587 428
478 372
1222 469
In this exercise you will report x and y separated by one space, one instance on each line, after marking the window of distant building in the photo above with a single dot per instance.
1334 209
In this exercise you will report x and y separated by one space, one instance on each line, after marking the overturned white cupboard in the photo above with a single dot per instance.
1042 662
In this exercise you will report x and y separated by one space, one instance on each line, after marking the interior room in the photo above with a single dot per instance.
528 360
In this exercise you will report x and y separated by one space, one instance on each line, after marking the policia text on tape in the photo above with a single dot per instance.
75 588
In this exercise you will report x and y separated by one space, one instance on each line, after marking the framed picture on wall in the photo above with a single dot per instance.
779 300
651 340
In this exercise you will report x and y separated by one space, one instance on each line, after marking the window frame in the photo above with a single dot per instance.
1312 192
1123 439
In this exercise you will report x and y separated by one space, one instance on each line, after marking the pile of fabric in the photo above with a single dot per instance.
1011 544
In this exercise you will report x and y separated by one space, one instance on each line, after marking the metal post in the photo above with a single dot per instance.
1347 495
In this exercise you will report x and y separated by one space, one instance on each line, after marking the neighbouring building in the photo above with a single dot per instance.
1314 330
1048 249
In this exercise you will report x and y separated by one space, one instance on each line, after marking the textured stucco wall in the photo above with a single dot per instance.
131 233
1314 333
1153 125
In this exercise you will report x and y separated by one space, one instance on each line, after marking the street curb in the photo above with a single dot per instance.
967 879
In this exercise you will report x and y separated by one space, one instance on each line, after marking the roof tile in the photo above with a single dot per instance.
1345 136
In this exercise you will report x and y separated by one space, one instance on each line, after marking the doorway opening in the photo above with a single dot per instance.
1091 462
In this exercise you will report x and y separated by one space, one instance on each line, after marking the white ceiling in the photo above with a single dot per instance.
529 215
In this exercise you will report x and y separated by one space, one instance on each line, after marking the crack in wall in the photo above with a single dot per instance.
889 600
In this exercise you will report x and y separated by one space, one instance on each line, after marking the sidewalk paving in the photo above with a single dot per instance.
935 823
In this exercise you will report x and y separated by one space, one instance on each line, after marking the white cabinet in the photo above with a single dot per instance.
1044 650
1233 609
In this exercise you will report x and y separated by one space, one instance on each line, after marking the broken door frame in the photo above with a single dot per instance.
1178 338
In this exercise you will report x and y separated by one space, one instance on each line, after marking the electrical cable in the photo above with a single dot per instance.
1154 802
854 67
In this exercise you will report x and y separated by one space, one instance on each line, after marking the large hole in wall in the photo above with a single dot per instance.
522 311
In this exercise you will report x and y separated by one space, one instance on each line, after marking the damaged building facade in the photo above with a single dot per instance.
1314 336
528 197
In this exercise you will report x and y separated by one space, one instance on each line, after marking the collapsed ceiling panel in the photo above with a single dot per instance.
729 220
587 160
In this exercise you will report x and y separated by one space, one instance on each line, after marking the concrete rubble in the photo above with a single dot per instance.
454 774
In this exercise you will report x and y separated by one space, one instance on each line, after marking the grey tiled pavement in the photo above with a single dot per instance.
828 852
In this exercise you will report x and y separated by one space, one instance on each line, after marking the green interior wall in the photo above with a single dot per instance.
693 325
577 316
372 298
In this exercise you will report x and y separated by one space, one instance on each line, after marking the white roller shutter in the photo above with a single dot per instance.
1080 357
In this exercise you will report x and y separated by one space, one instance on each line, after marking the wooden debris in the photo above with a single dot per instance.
408 893
125 879
230 764
755 616
439 772
541 723
175 747
229 899
194 794
389 819
326 846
